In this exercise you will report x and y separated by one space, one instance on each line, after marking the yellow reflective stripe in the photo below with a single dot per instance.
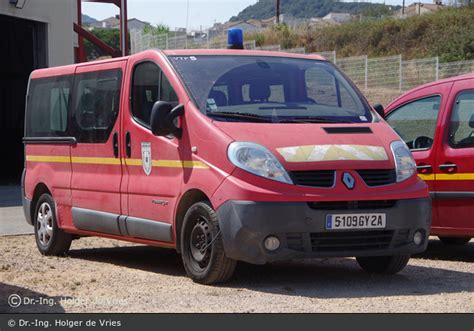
465 176
114 161
95 160
42 158
179 164
427 177
168 163
133 162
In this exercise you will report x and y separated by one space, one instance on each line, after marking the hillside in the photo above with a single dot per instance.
305 8
86 19
448 33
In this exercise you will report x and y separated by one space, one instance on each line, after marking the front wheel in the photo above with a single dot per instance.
201 246
455 240
50 239
383 264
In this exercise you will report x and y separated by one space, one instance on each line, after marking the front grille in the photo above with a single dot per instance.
352 241
347 241
378 177
314 178
351 205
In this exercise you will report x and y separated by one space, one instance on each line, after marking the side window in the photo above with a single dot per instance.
166 91
48 104
323 88
96 105
415 122
461 129
149 85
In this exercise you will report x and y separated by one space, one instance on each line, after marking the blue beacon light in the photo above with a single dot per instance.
235 39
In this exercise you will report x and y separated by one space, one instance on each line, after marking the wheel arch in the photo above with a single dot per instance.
40 189
189 198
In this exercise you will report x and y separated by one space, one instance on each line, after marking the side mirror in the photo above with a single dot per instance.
163 119
380 110
471 122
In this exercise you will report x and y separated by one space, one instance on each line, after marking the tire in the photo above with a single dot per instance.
383 264
458 241
50 239
201 230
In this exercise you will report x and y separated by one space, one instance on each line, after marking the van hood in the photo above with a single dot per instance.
312 146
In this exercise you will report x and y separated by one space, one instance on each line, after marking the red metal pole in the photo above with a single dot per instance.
123 28
80 40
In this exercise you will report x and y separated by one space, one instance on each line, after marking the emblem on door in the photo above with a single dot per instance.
348 180
146 158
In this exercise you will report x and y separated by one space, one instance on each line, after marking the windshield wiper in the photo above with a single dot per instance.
248 116
314 119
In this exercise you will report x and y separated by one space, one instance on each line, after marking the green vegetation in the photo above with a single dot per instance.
110 36
306 8
448 33
156 29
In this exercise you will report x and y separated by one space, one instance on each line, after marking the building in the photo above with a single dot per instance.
114 23
36 34
419 8
134 24
338 17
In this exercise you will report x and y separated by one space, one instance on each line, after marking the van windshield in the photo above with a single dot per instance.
270 89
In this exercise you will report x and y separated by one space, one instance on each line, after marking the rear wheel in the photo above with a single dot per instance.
50 239
201 246
383 264
455 240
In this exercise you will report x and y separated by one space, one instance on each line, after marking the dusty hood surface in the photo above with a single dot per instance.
320 146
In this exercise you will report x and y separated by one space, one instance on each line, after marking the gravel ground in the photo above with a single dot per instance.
102 275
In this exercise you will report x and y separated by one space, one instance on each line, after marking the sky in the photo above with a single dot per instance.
202 13
173 12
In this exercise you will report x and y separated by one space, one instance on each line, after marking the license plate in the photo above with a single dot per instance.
355 221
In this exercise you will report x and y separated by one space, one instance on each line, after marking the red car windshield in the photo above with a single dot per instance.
270 89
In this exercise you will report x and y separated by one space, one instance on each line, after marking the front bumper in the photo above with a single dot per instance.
300 226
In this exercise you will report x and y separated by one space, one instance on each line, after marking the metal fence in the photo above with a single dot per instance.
381 79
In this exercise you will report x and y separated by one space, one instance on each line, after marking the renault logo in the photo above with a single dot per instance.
348 180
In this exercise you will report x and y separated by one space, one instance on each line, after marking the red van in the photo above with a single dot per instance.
436 121
223 155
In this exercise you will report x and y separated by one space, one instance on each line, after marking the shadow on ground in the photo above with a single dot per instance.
439 251
318 278
30 301
146 258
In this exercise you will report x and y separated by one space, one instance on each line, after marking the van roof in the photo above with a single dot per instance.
69 69
189 52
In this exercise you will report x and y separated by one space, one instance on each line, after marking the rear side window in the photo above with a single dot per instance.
48 104
96 105
461 131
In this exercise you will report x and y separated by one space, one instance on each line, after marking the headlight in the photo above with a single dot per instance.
257 160
404 162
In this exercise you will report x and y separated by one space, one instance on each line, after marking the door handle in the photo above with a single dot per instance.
448 167
128 144
115 144
424 168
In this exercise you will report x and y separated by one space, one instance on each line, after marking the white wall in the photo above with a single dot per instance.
59 16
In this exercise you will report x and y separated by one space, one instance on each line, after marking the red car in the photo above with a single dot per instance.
223 155
436 121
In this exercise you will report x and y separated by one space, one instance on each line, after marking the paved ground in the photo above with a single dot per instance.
101 275
12 220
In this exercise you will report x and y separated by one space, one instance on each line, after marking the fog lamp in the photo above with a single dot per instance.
271 243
